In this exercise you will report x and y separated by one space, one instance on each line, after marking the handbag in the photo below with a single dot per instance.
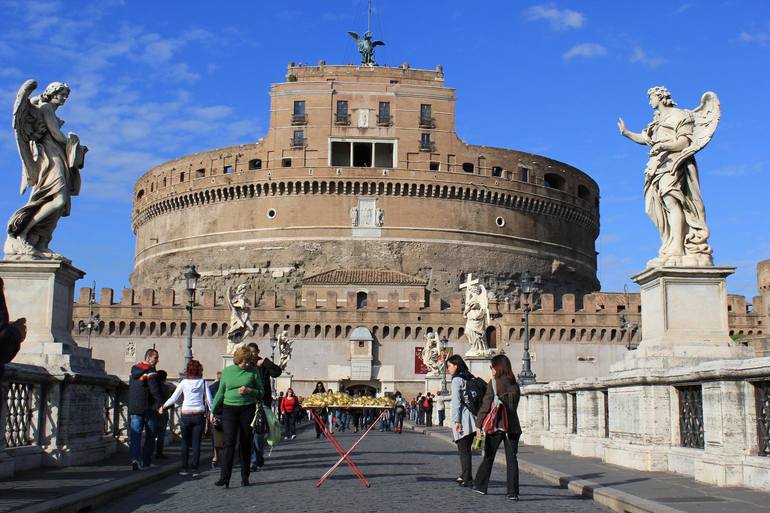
259 423
497 410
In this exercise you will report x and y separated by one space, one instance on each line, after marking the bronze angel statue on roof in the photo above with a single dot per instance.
50 167
366 47
672 194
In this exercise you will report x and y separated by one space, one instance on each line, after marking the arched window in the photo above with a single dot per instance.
553 181
361 299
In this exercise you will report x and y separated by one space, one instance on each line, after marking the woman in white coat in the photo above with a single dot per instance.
463 421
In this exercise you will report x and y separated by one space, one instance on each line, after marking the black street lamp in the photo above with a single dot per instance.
444 342
527 377
191 283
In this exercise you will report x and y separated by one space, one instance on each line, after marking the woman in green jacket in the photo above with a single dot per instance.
239 390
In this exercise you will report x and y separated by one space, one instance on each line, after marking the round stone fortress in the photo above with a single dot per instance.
362 169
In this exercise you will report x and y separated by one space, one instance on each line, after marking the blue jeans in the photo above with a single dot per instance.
192 432
258 451
148 424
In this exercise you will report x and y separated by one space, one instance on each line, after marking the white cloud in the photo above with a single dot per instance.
683 8
762 38
559 19
641 57
732 170
587 50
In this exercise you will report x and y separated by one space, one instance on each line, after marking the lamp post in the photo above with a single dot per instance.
444 342
273 342
191 283
93 320
527 377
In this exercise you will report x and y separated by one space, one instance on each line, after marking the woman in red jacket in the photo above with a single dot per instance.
289 408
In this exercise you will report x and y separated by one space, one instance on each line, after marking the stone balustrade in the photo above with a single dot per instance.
58 420
710 421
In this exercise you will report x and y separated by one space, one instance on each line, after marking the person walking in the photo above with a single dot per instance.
319 389
420 410
399 410
196 399
239 390
167 389
440 402
217 435
266 370
428 409
289 408
502 387
144 398
463 422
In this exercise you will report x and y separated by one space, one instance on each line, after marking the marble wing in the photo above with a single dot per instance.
377 43
354 35
706 116
29 128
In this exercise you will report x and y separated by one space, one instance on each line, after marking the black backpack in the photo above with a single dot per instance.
476 388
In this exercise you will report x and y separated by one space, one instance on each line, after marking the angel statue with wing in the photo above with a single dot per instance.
476 314
50 167
285 345
240 323
366 47
672 194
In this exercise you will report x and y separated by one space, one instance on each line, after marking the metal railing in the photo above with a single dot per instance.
691 416
18 413
299 119
341 118
427 146
384 120
298 142
426 122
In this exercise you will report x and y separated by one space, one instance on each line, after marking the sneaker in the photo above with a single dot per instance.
135 465
512 497
480 492
196 474
184 473
293 437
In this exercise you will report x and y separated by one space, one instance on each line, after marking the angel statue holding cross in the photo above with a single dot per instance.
50 168
476 313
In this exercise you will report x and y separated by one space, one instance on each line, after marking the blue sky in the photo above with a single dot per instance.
155 80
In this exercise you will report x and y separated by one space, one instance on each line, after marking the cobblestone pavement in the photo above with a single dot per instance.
408 473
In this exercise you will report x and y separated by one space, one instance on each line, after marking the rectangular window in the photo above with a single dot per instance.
228 170
497 171
425 142
435 166
200 173
181 177
362 154
298 114
255 164
298 139
383 114
286 162
524 174
342 117
383 155
340 154
691 416
426 116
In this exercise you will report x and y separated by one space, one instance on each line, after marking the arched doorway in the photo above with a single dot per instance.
491 335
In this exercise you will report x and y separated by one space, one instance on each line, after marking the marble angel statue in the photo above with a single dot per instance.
240 322
476 314
50 168
672 194
285 346
432 354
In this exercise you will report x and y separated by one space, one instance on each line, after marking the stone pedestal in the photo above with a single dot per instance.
227 360
433 383
684 318
283 382
42 291
479 365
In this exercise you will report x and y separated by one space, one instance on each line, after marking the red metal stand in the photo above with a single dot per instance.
344 455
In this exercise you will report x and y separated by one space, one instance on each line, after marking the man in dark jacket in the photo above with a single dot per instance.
12 334
145 397
267 370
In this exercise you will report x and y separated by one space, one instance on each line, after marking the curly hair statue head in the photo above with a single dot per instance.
663 93
53 89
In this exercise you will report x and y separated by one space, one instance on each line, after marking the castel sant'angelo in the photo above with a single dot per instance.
363 208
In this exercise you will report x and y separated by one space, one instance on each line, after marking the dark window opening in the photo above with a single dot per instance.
298 139
200 173
152 187
426 116
298 114
435 166
383 114
181 177
361 299
383 155
255 164
553 181
583 192
340 153
286 162
524 174
468 167
164 181
497 171
342 117
362 154
228 170
425 143
140 194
